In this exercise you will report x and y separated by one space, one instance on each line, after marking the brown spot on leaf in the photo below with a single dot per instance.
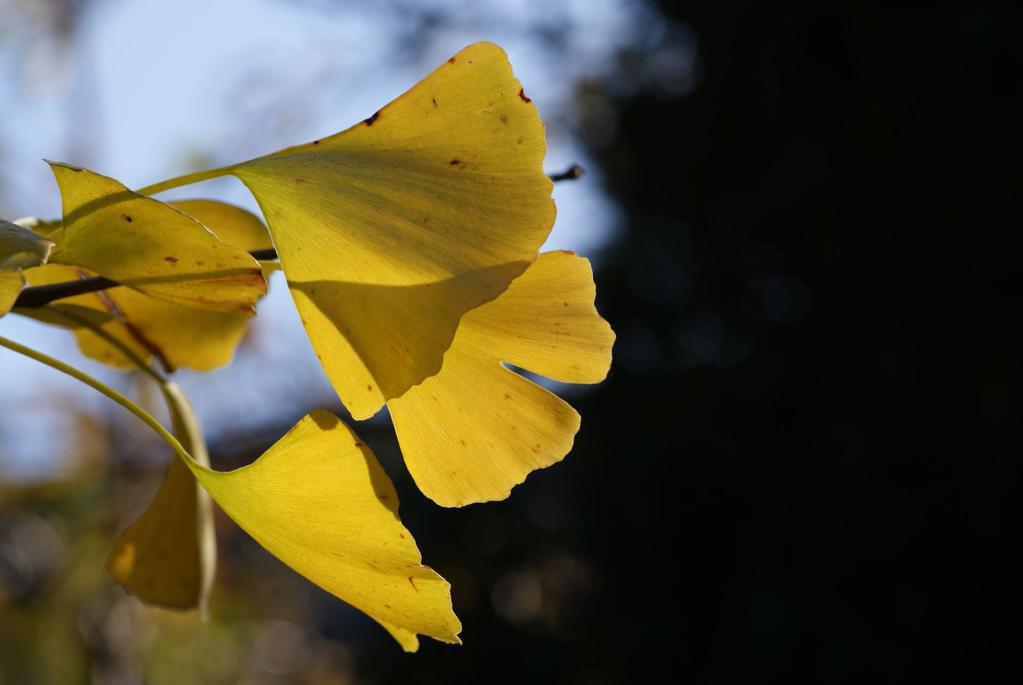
413 583
566 252
316 142
127 218
507 396
434 101
369 121
522 95
199 262
401 535
358 444
369 387
464 443
451 60
454 161
172 260
519 140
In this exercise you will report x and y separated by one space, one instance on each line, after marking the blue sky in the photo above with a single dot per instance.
144 90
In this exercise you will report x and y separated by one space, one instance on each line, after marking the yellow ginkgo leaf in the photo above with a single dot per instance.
390 231
178 335
20 248
319 501
167 557
476 429
188 337
11 283
232 225
149 246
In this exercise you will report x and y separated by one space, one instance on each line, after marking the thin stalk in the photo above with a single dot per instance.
184 180
114 342
101 387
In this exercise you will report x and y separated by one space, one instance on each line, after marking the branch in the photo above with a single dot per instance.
572 173
40 295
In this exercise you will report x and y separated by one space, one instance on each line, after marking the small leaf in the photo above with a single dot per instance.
151 247
20 248
476 429
167 557
319 501
390 231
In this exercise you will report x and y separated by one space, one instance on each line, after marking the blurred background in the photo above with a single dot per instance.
805 462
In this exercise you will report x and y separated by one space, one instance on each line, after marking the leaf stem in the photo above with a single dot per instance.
184 180
101 387
113 341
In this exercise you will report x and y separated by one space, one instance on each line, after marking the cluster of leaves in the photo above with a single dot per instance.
410 244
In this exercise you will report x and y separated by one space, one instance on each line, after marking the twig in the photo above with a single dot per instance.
41 295
572 173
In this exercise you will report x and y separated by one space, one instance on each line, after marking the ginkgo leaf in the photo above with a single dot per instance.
320 502
390 231
149 246
188 337
20 248
476 429
231 224
178 335
11 283
167 557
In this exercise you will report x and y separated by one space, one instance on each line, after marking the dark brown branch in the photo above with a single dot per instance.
41 295
572 173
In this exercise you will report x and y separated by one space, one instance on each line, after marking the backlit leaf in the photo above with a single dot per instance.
476 429
20 248
147 245
320 502
232 225
167 557
184 336
390 231
11 283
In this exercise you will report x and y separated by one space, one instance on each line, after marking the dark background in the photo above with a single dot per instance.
805 462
